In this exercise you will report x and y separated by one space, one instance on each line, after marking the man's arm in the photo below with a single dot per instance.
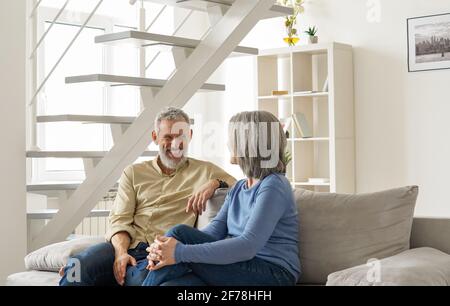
121 220
197 202
121 242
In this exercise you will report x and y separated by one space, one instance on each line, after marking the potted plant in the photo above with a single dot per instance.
313 39
291 21
287 159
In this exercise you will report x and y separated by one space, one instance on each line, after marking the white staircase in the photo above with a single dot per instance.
195 60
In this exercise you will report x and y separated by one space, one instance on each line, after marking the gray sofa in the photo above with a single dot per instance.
340 236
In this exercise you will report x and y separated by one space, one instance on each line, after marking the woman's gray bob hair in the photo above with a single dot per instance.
257 143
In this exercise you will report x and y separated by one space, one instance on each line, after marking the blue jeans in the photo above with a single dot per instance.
255 272
96 267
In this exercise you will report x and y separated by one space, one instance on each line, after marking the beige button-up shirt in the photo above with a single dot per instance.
149 202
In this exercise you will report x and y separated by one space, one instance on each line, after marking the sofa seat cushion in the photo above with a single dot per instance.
340 231
415 267
53 257
33 278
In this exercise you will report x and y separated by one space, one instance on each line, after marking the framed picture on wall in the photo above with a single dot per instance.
429 42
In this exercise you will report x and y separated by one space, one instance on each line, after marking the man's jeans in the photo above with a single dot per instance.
255 272
96 267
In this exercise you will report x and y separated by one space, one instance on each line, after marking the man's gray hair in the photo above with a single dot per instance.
258 143
171 113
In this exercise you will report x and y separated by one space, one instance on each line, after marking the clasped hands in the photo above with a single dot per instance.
161 253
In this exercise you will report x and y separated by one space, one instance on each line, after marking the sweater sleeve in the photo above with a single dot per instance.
270 205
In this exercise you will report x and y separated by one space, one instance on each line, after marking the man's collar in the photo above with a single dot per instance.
158 168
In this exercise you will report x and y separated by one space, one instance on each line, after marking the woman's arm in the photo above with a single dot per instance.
270 206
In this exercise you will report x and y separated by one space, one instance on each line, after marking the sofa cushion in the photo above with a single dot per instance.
416 267
339 231
33 278
54 256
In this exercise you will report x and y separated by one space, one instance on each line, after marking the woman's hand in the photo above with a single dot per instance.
197 202
161 253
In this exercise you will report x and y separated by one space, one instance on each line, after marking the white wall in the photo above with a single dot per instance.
402 119
12 136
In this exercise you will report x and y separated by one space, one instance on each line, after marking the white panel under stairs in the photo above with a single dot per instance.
47 214
133 81
145 39
202 5
77 154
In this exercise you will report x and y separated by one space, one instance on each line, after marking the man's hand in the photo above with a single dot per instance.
161 251
197 202
120 266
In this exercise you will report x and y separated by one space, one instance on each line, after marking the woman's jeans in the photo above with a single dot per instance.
94 267
255 272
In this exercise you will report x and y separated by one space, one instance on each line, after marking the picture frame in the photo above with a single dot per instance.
428 42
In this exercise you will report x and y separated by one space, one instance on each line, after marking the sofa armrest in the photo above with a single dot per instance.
431 232
213 206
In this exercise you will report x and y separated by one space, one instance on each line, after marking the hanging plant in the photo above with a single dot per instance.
291 21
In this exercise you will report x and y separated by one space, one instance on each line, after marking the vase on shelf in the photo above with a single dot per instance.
313 39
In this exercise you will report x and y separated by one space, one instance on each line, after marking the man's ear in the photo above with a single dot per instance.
191 132
154 137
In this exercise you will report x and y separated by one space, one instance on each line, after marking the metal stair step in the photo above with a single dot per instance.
202 5
77 154
133 81
85 119
57 186
52 187
145 39
46 214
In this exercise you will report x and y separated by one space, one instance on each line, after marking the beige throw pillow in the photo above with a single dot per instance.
54 256
339 231
416 267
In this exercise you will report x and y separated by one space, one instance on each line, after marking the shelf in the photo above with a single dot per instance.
311 94
312 49
145 39
309 139
296 94
303 72
274 97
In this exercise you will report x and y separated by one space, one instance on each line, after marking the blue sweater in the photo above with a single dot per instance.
260 221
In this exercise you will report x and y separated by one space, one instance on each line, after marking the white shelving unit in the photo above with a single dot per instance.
329 111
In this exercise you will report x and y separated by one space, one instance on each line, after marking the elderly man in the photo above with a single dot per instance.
153 196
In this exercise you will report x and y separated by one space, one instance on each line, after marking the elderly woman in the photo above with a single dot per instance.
253 240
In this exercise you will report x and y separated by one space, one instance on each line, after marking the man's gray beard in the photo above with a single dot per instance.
169 163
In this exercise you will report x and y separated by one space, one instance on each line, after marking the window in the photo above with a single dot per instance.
85 57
